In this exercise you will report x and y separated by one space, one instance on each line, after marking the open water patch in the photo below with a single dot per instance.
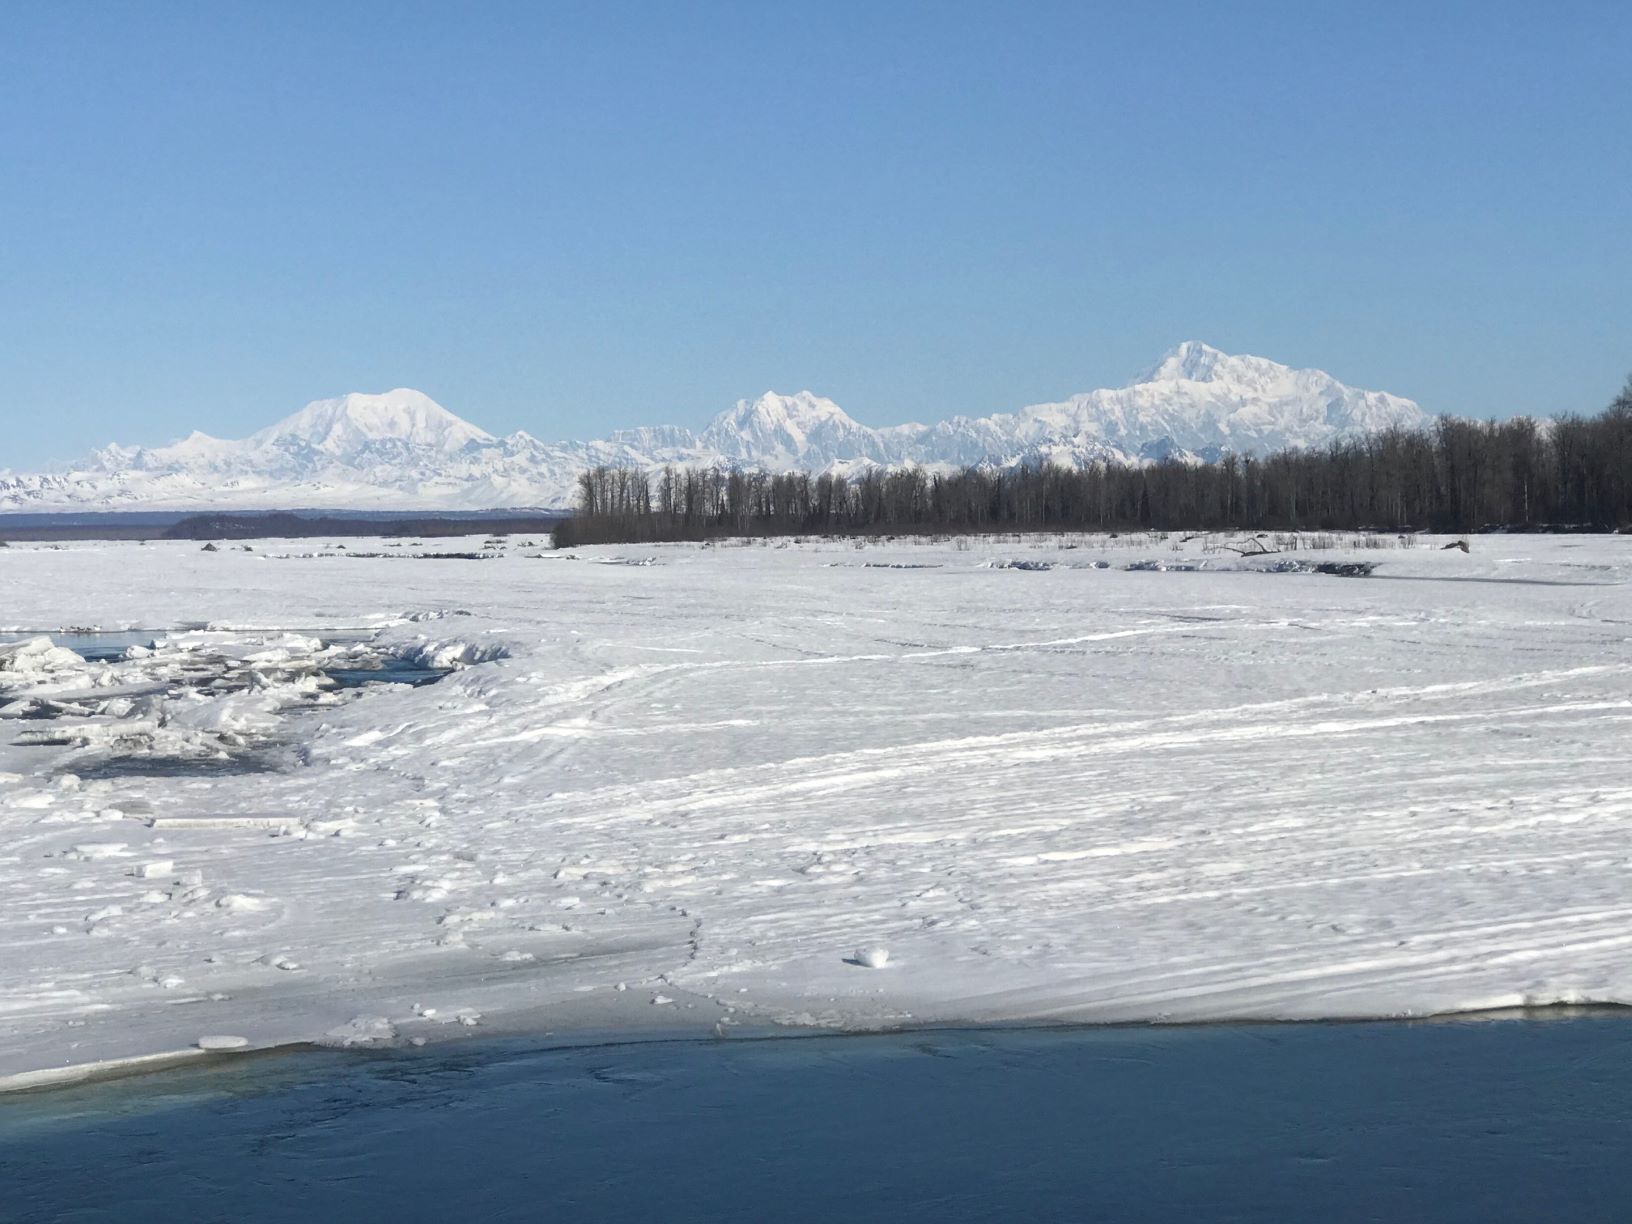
160 765
1450 1122
96 646
388 671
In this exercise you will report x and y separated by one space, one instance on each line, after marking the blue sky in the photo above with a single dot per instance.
572 217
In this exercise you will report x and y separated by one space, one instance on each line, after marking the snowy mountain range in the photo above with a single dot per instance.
402 450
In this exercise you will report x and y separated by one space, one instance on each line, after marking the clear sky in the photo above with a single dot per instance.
571 217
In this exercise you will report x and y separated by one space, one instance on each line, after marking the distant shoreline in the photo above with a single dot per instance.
263 524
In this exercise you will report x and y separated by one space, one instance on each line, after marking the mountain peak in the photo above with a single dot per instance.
800 408
348 422
1190 361
796 430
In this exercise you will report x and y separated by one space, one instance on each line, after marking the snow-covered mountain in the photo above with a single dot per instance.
1201 402
802 431
353 423
402 450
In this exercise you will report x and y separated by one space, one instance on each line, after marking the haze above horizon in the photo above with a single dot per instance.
579 218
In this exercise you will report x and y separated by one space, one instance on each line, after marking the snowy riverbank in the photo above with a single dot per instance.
695 789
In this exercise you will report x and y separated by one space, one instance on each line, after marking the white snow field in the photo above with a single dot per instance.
810 784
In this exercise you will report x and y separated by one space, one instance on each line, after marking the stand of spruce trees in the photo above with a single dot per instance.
1574 473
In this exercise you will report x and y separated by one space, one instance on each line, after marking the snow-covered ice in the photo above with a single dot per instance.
730 778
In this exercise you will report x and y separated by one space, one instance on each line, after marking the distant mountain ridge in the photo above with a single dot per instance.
402 450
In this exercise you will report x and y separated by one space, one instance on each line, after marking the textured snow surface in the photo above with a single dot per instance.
403 450
726 782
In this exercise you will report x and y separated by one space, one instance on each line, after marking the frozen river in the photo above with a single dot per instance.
1450 1122
817 785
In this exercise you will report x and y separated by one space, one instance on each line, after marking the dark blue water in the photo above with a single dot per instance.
103 647
1521 1121
391 671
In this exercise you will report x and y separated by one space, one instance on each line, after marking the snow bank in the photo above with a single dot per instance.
758 786
444 653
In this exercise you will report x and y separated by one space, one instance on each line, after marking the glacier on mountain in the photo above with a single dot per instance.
402 450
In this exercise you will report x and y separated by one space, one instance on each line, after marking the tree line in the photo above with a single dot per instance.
1574 472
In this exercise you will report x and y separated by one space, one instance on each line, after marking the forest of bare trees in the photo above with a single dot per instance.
1459 475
